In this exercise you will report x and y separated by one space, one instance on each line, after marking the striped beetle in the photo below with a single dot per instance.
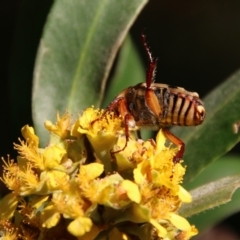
157 105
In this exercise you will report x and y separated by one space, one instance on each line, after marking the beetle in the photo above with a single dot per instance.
157 105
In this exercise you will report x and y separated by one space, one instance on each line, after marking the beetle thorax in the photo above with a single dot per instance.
138 107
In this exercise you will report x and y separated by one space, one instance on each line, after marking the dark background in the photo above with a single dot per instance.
197 42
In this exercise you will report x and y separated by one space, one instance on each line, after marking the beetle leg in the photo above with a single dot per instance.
118 106
111 108
126 120
114 104
150 77
177 142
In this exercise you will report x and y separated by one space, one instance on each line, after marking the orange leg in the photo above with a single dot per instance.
177 142
126 119
113 106
118 106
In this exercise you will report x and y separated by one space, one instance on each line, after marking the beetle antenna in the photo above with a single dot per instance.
151 71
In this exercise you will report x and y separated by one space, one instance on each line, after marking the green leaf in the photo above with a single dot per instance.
79 44
223 167
215 136
211 195
209 218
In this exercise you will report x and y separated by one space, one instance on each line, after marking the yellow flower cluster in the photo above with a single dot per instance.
78 188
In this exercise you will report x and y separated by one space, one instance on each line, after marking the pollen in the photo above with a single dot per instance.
31 153
29 180
10 174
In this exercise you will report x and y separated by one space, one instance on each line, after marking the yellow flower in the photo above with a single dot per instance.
102 131
53 156
51 181
80 226
91 179
31 153
131 190
107 191
8 206
90 172
10 175
28 180
50 216
187 234
158 179
70 201
9 234
62 126
124 160
30 136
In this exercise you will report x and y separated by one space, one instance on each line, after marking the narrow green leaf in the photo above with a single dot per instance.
80 41
215 136
223 167
228 165
211 195
209 218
